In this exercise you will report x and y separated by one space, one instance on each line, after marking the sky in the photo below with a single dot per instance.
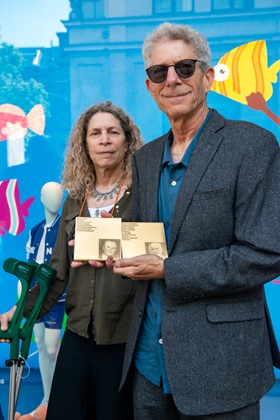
32 23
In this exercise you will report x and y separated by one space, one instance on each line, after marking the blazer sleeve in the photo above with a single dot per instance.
252 256
275 353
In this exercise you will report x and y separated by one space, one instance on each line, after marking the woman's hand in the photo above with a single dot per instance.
93 263
5 318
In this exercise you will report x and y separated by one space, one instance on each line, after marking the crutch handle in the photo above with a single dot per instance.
24 271
44 275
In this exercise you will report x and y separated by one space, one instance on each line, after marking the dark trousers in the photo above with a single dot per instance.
150 403
86 382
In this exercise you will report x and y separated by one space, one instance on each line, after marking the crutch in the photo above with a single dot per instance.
44 275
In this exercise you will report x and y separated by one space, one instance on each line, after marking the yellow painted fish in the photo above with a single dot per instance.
244 70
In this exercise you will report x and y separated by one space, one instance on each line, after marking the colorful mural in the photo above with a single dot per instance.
86 69
245 70
243 75
14 125
12 211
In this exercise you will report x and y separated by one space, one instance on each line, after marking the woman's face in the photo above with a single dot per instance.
105 141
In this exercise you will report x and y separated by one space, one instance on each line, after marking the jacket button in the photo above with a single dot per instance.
160 341
140 314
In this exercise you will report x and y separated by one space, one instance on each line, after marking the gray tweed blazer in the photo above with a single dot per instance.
218 341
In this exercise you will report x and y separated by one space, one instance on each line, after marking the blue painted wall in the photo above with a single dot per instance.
99 58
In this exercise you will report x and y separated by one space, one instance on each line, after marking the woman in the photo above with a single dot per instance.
97 176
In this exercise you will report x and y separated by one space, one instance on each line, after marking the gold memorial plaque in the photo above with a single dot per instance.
96 238
143 238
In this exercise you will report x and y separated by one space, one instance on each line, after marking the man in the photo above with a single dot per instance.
156 249
110 247
201 339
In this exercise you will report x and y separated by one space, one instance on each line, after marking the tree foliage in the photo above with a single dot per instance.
14 89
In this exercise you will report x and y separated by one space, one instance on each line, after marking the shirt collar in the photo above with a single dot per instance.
167 158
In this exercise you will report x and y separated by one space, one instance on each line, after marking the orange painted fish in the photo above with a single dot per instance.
244 70
11 211
14 123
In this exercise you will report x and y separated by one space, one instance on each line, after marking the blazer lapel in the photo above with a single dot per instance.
204 151
153 163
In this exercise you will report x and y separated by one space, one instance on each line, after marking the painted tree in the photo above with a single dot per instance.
15 88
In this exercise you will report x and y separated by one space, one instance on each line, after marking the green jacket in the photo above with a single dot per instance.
96 299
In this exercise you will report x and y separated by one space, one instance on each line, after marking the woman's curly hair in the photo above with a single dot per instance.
78 175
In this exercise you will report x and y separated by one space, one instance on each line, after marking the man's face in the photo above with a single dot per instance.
176 96
110 248
155 248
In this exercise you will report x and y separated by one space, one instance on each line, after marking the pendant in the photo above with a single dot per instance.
98 198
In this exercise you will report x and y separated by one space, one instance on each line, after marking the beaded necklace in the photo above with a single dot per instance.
118 188
107 194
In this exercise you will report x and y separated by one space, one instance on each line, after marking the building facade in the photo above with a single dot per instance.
105 39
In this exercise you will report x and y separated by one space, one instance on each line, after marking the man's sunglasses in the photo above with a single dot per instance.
184 70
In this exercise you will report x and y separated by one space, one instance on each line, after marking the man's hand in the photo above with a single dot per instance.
142 267
5 318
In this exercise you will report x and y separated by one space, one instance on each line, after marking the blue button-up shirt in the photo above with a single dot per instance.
149 357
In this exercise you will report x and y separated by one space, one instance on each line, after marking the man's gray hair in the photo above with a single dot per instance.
172 32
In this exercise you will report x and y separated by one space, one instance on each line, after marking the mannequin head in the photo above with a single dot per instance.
51 197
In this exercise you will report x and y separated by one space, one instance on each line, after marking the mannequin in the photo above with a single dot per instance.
39 248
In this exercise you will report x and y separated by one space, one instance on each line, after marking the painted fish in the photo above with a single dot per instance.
244 70
14 123
11 211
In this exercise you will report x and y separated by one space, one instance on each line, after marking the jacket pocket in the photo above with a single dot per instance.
126 216
234 312
211 194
